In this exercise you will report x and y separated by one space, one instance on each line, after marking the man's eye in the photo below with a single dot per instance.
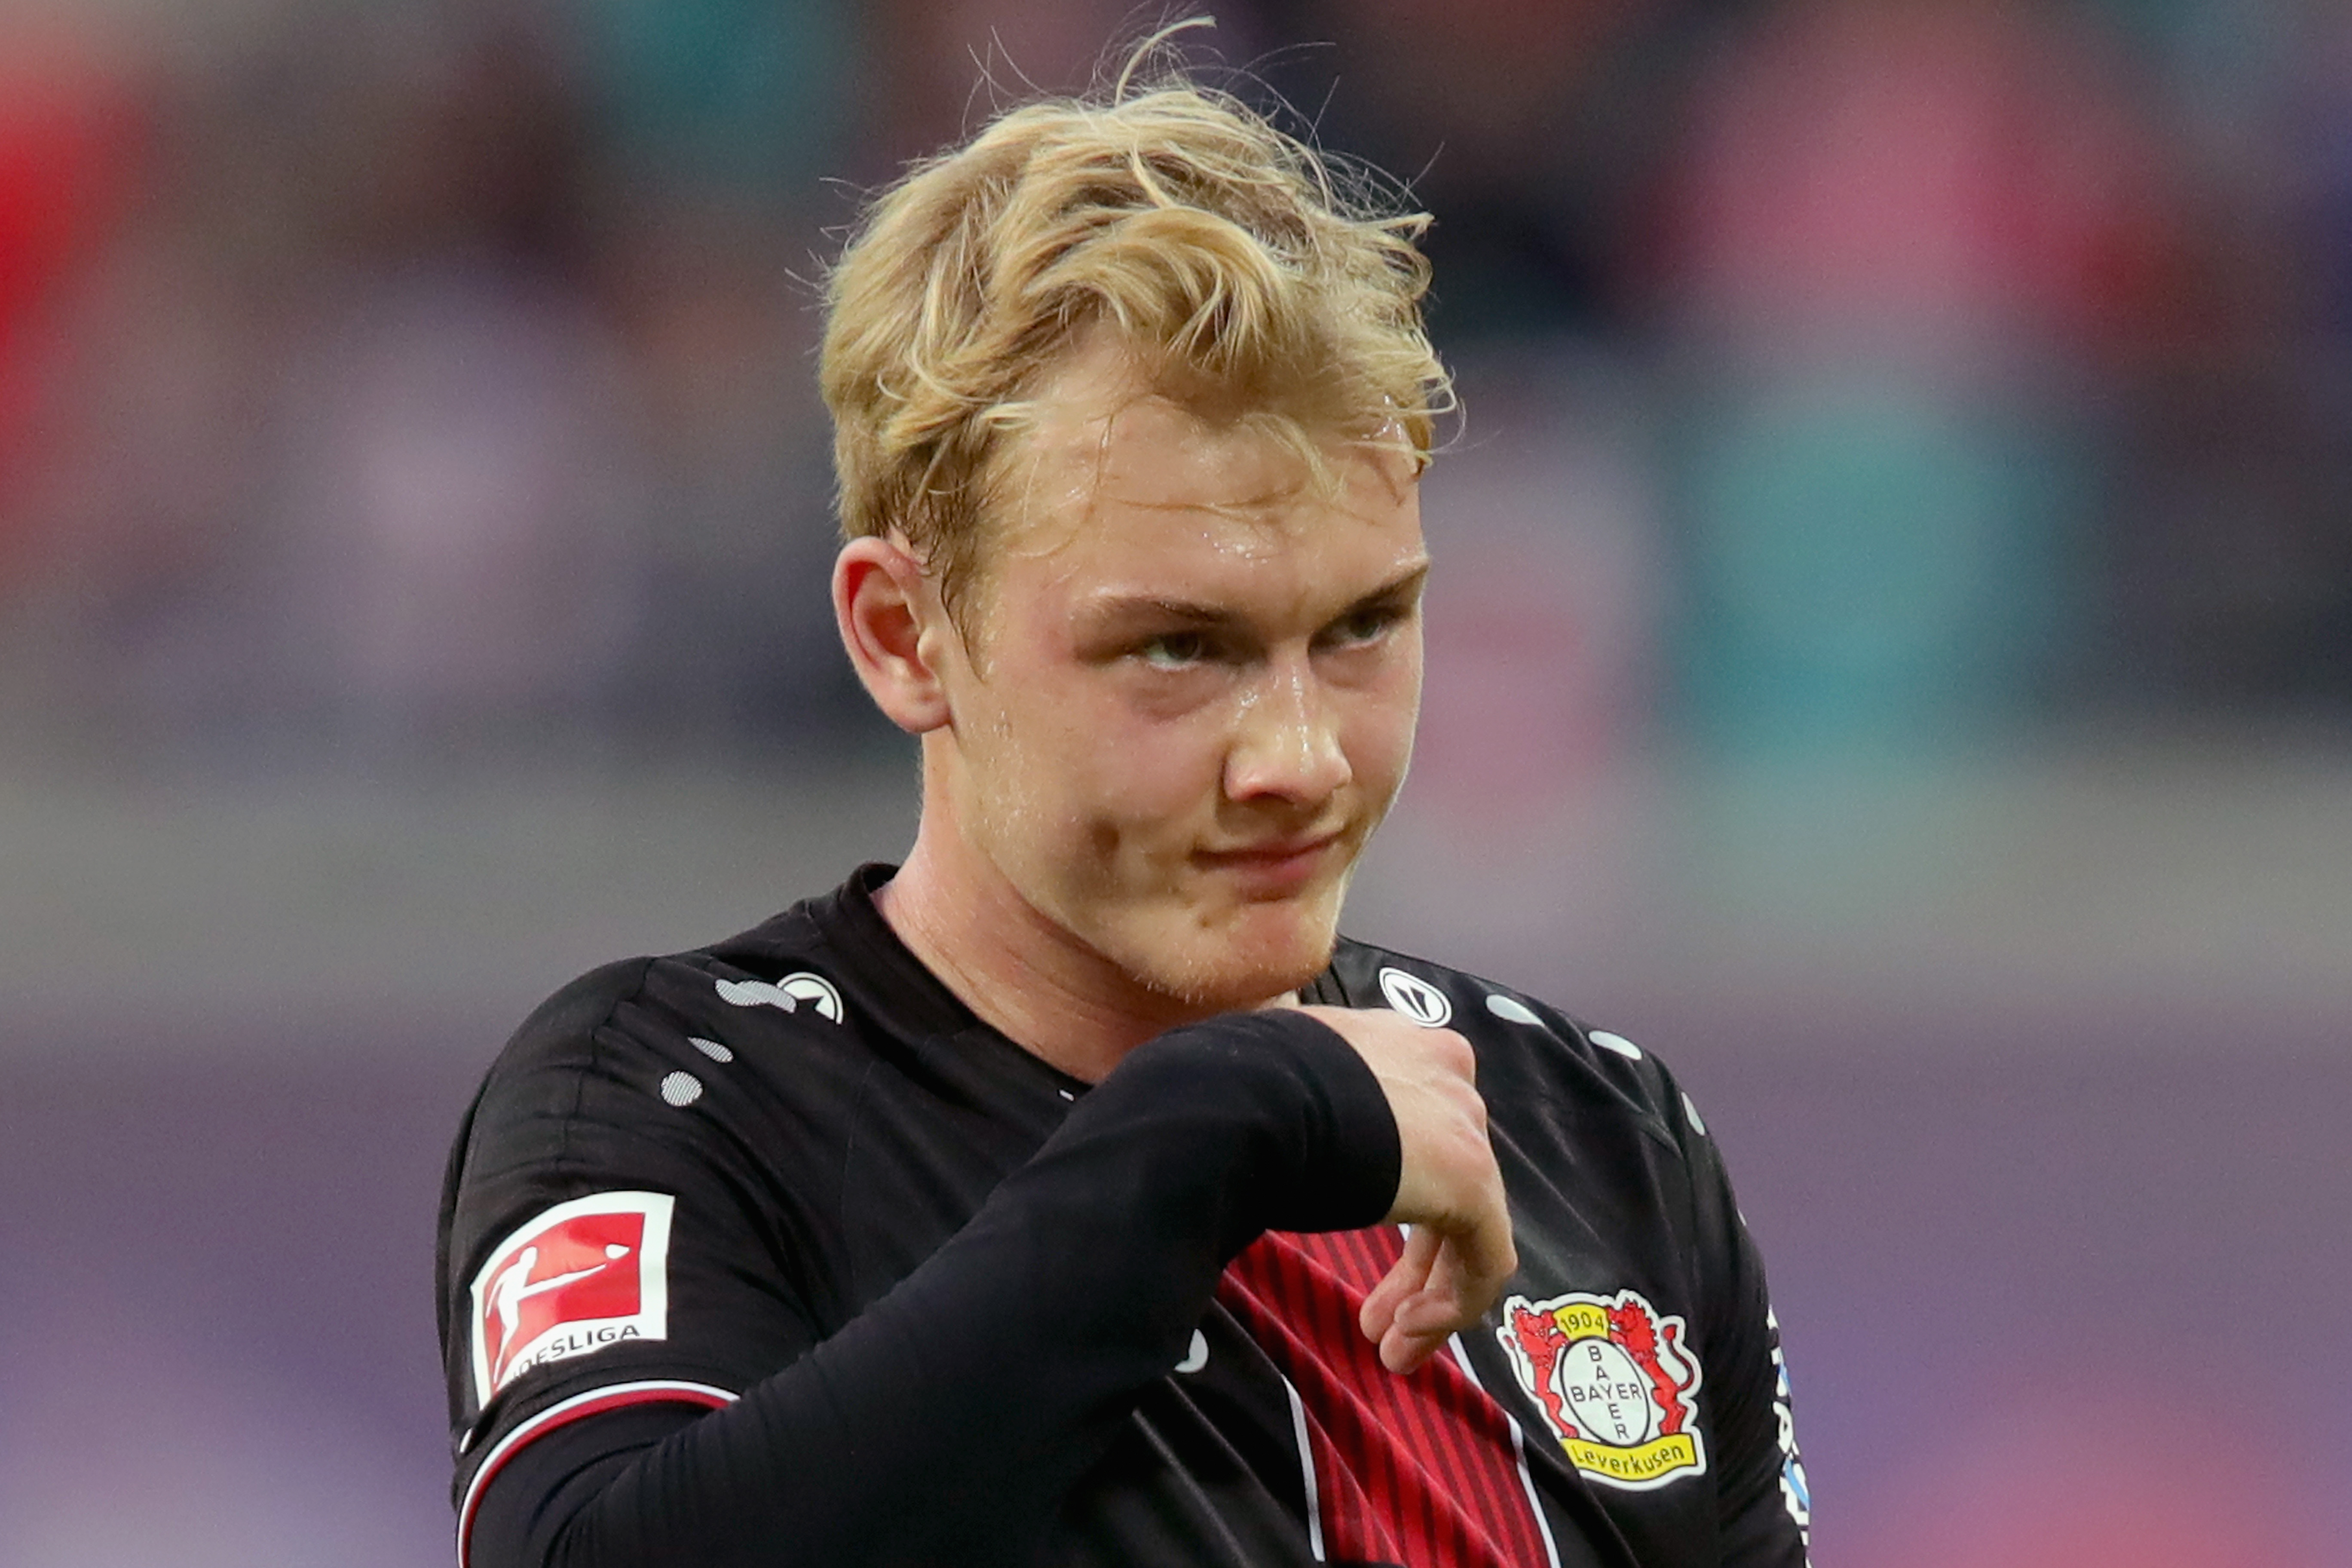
1366 625
1175 650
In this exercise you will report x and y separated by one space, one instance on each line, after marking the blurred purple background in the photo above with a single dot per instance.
1891 652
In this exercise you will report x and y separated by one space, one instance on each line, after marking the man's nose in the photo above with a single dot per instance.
1286 741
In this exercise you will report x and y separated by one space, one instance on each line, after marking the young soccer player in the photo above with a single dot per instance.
1073 1192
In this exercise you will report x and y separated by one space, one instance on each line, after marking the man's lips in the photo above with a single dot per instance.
1275 862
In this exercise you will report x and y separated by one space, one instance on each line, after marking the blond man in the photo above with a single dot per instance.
1073 1192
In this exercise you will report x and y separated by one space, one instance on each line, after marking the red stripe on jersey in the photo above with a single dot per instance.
595 1402
1419 1470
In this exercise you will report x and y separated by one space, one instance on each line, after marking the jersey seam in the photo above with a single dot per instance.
597 1049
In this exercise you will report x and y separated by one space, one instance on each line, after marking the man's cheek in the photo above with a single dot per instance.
1145 779
1382 746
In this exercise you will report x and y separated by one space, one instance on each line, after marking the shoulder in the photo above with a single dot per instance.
661 1073
626 1045
651 1002
1526 1046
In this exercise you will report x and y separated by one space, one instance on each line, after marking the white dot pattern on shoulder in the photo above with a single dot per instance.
681 1088
712 1049
1618 1043
1511 1009
1692 1111
785 994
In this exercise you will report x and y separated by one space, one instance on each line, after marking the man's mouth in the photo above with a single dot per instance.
1275 865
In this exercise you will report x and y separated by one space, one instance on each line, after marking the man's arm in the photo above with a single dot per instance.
1763 1509
947 1421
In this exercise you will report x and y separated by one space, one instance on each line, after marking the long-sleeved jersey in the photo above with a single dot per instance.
774 1253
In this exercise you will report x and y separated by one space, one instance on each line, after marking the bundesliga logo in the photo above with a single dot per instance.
1615 1383
584 1275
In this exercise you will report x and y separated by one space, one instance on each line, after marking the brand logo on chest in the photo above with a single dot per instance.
1615 1382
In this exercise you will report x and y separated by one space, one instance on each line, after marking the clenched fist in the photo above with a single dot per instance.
1458 1251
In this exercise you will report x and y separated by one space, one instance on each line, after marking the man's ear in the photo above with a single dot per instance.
896 630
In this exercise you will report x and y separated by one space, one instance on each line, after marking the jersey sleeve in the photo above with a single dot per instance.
944 1421
1764 1510
594 1256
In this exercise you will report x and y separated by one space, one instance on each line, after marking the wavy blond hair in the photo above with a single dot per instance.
1249 278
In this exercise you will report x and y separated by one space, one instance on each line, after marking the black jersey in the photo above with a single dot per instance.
774 1253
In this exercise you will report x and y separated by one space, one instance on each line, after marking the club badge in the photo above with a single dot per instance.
1615 1383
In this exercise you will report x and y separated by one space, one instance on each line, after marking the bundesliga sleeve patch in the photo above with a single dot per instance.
1615 1383
583 1275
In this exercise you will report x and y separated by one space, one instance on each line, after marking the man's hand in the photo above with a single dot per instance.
1458 1252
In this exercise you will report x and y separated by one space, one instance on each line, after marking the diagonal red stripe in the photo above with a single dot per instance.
1417 1469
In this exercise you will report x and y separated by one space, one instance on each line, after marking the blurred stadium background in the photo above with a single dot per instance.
1891 652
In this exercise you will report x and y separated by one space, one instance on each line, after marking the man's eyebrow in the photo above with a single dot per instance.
1124 607
1404 585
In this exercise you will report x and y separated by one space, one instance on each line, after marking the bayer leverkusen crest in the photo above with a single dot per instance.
1616 1383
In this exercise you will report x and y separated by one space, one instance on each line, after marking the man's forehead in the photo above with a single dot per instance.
1135 553
1136 447
1238 503
1141 462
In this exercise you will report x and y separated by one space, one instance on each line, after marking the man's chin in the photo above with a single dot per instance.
1266 952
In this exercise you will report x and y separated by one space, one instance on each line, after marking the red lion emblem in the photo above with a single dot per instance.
1615 1381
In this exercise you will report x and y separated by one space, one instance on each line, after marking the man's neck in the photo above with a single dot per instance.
1019 972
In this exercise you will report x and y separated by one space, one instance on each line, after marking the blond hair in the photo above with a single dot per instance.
1247 280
